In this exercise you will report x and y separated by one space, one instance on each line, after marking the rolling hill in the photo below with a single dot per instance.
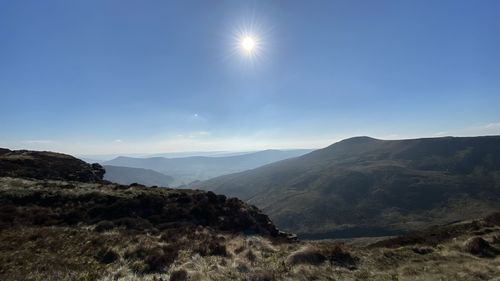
188 169
61 221
363 186
127 175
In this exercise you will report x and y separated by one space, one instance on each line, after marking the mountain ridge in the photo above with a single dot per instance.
365 183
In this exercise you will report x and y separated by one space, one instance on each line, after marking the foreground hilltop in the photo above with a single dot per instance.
369 187
73 192
47 165
60 228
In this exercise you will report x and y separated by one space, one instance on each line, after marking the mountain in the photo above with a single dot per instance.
363 186
188 169
127 175
73 225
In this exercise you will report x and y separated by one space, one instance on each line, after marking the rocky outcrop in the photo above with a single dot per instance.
133 207
47 166
50 189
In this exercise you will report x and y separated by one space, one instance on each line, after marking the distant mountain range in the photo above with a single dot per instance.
185 170
363 186
127 175
94 158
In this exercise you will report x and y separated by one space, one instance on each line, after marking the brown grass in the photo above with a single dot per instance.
46 242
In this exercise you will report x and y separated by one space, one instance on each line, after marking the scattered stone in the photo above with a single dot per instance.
479 247
422 251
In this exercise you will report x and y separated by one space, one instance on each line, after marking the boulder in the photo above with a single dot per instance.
479 247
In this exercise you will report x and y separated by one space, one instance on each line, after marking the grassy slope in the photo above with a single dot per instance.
79 253
49 230
363 186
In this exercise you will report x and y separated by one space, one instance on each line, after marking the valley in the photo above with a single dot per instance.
185 170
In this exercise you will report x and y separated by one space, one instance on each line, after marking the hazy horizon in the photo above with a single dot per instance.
494 128
126 77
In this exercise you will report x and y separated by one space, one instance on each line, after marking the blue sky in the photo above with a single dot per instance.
90 77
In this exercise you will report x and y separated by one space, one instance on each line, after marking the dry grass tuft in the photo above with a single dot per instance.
318 254
151 258
307 256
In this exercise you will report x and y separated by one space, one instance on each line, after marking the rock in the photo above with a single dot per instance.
422 251
288 236
479 247
98 170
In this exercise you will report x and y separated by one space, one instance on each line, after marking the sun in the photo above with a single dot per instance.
248 44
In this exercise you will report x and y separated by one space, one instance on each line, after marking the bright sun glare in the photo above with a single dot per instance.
248 41
248 44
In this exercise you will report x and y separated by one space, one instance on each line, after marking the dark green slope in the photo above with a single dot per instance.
364 186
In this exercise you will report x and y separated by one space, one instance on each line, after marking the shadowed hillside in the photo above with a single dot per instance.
364 186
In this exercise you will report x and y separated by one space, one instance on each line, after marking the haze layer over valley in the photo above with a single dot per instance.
185 170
